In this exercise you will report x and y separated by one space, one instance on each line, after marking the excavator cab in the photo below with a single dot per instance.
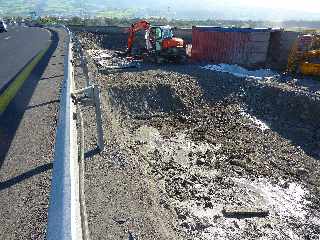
162 38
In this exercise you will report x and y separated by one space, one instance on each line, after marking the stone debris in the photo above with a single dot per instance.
110 60
206 140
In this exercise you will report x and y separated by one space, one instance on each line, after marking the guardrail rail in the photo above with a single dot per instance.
64 217
67 218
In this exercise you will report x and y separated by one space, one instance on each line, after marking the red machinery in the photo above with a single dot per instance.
136 27
161 45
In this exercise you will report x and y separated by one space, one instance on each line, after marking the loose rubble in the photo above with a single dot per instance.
205 143
109 60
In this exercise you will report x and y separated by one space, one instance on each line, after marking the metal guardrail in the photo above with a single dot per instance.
64 218
67 219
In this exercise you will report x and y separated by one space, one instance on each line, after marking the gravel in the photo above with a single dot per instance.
185 143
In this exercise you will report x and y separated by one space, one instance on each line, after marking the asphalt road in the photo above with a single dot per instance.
17 47
27 131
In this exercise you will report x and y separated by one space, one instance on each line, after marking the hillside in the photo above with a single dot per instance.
209 9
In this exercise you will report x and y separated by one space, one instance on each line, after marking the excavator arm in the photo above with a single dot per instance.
136 27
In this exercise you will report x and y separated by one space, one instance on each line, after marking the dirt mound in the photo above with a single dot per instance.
146 100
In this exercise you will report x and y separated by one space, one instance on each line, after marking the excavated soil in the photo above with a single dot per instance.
191 151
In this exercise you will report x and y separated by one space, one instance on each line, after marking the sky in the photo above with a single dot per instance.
277 10
249 9
312 6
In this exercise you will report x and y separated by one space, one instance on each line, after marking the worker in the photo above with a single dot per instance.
147 37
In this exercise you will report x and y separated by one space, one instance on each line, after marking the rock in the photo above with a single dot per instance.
236 162
201 161
208 204
302 171
182 213
120 220
236 224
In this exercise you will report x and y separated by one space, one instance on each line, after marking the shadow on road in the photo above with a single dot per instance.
26 175
43 104
52 77
12 116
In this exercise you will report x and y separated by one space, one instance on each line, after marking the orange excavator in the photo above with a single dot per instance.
161 46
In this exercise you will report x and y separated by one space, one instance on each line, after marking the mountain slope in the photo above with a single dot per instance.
191 9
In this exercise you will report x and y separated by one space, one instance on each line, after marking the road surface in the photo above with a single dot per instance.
17 48
34 60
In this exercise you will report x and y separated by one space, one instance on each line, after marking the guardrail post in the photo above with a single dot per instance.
85 68
96 94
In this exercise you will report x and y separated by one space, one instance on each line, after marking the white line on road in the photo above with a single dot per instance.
7 38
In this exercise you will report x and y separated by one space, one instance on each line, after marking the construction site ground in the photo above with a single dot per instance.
197 154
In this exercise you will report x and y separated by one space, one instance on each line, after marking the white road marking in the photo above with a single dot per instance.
7 38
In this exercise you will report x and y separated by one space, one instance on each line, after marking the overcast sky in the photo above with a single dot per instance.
312 6
304 5
277 10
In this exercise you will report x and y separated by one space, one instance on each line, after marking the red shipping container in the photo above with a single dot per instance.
225 45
